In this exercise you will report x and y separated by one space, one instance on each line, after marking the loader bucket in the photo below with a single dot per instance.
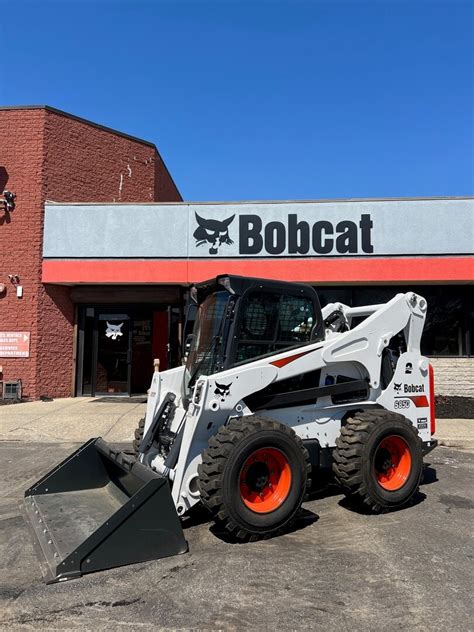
99 509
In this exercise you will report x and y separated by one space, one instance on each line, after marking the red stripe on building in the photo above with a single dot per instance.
334 271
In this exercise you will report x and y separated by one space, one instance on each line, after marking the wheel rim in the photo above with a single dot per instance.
265 480
392 463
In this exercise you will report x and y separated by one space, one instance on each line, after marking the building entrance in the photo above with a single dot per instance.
117 346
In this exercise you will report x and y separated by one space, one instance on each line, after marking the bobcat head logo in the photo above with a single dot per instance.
213 232
222 390
397 387
113 331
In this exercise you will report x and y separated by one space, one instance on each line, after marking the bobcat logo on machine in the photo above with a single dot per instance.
113 331
397 387
213 232
222 390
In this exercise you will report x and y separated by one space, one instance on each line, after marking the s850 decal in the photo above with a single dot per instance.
402 403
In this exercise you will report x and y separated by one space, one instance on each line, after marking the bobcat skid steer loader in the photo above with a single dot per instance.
273 388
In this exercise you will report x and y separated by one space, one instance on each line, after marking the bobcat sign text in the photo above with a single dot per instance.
298 237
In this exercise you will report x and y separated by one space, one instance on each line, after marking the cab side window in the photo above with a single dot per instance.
271 322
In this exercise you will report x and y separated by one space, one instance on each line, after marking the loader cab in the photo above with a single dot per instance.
240 320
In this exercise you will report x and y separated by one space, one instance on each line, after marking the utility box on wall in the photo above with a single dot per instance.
12 390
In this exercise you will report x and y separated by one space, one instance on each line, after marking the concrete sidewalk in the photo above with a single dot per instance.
77 419
455 433
74 419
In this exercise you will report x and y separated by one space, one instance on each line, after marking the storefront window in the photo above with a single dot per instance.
449 327
443 333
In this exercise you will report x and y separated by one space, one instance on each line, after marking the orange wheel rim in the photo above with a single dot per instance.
392 463
265 480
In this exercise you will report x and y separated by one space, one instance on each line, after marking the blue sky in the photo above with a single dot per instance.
262 100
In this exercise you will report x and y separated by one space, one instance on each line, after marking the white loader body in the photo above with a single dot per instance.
355 353
274 389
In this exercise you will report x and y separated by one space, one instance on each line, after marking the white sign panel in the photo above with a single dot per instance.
261 229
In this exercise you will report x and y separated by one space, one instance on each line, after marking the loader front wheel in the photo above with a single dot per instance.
378 460
139 430
253 477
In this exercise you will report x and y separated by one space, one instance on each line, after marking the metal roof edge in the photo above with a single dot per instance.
241 202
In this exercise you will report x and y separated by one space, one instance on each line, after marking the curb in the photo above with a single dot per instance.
460 444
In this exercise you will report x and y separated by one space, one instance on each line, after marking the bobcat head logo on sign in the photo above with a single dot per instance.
113 331
213 232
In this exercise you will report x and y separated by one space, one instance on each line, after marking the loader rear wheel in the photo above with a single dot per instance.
253 477
378 460
139 430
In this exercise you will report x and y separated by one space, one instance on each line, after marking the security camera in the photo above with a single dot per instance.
9 200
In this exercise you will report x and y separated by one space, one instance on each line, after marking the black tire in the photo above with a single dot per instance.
228 459
362 462
139 430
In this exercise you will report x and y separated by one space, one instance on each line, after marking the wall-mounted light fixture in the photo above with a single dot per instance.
15 281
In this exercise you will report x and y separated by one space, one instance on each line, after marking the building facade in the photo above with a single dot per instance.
104 251
46 154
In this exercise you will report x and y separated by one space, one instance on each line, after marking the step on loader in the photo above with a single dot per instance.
274 389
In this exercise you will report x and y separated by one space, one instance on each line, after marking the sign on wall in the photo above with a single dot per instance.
350 228
14 344
289 235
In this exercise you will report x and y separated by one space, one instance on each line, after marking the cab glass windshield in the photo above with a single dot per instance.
207 342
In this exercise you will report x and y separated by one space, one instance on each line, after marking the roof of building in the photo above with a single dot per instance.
77 118
111 130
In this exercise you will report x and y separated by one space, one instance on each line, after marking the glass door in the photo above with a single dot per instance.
117 345
114 354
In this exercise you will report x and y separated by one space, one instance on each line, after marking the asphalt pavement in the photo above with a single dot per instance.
336 570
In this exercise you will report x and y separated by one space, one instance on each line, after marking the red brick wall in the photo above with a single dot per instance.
21 155
85 163
165 188
50 156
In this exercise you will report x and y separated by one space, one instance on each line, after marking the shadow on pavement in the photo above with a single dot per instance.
429 475
346 503
304 519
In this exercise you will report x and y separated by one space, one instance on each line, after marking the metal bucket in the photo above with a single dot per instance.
98 509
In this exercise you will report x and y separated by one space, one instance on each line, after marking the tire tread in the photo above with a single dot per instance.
139 431
349 454
212 467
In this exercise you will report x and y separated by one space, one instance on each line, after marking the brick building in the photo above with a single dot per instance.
46 154
104 250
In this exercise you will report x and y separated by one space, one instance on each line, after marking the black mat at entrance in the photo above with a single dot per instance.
139 399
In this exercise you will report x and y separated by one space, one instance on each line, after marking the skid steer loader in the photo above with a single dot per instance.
273 389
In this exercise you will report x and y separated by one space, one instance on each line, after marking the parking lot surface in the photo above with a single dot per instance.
336 570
